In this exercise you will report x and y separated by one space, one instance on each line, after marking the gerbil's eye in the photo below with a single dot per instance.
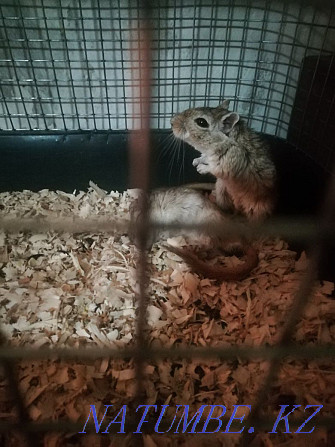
201 122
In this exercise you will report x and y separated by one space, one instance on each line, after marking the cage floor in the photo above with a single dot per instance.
78 289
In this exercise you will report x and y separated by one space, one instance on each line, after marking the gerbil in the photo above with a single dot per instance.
234 154
179 206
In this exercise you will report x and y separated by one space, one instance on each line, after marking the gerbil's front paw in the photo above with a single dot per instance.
201 165
203 168
196 161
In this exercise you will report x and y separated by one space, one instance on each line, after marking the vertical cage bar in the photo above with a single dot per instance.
139 146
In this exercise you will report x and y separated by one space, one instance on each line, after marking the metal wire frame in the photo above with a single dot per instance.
51 82
141 353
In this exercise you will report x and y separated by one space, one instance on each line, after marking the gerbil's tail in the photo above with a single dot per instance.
220 273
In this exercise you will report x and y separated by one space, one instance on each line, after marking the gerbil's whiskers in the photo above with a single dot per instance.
167 143
174 157
182 164
179 159
173 148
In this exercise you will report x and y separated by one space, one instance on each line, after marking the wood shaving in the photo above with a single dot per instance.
79 289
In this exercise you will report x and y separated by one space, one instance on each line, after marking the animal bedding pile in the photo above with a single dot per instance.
78 289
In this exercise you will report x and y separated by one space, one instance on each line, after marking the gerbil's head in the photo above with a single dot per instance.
204 126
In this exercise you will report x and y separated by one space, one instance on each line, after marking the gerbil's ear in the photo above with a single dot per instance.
225 104
228 121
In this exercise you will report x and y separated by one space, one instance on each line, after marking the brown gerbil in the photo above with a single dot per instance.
234 154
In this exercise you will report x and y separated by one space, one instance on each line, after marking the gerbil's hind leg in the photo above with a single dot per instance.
260 210
223 199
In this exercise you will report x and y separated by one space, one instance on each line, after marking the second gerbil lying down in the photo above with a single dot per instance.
180 206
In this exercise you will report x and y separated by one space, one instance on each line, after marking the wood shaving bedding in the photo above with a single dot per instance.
78 290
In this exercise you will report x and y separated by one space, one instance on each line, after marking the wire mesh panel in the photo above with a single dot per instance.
66 65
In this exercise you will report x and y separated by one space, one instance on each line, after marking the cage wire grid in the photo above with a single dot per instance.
31 91
66 66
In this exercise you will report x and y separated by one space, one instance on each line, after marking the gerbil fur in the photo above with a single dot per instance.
179 206
234 154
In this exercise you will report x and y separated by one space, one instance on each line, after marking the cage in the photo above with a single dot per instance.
67 116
